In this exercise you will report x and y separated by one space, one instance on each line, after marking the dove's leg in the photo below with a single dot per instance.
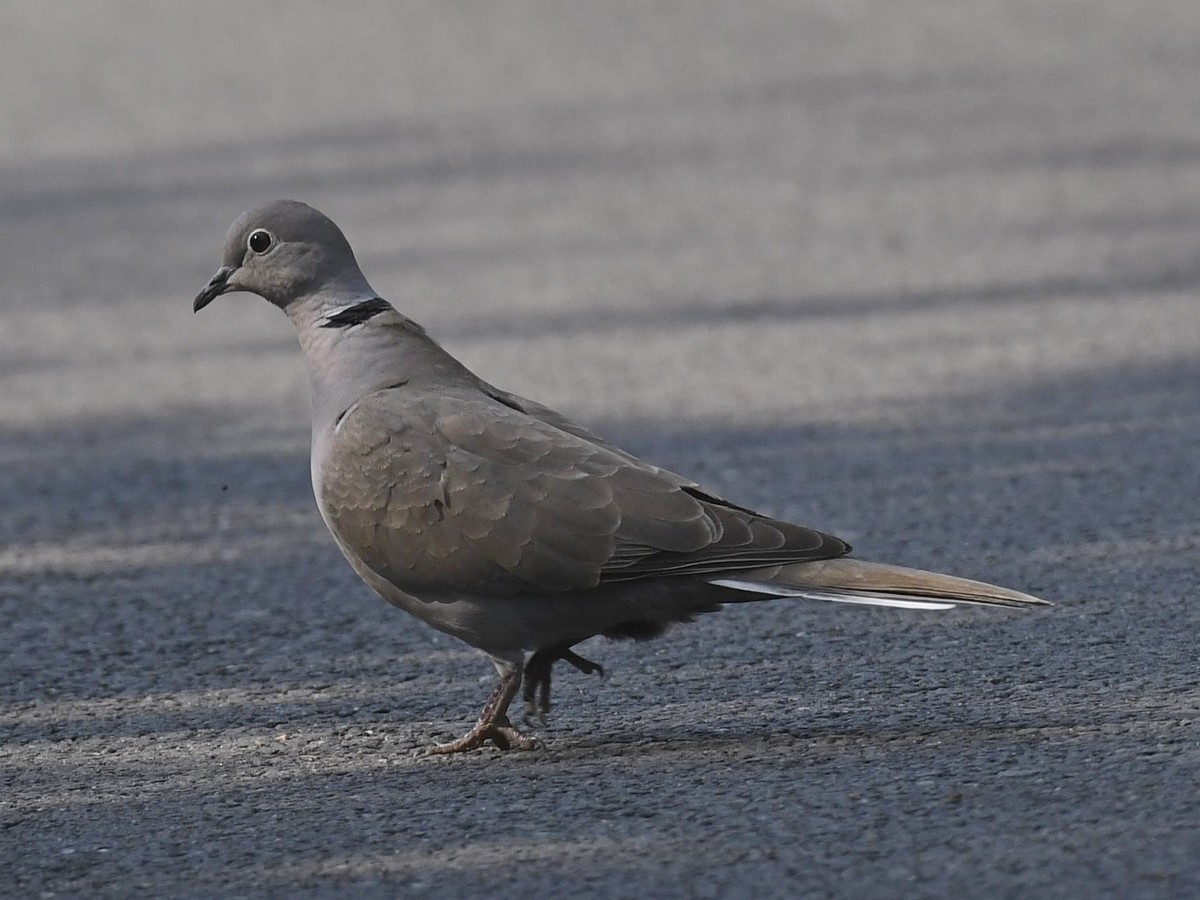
493 724
537 677
537 684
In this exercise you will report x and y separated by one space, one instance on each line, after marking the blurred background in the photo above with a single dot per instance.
922 274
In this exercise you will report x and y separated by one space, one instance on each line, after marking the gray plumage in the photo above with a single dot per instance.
499 521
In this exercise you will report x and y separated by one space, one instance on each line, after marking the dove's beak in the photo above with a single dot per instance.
217 285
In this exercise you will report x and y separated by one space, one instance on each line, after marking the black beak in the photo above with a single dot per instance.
217 285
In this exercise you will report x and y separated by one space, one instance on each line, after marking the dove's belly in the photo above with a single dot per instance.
523 623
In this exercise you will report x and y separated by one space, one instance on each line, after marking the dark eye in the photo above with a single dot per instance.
260 240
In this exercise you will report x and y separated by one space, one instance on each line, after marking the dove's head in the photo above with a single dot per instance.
286 251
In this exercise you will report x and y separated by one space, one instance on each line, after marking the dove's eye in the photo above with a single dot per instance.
260 240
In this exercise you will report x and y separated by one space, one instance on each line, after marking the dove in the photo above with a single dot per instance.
501 522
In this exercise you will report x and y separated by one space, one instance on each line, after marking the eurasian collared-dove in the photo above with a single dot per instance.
499 521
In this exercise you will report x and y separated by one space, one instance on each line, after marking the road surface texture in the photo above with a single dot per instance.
922 274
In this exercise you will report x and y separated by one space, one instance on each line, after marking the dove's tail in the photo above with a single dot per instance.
847 580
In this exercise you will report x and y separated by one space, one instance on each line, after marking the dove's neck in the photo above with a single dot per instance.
359 345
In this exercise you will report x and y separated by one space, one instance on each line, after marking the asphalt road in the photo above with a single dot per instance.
922 274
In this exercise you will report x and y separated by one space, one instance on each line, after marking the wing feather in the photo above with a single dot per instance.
442 492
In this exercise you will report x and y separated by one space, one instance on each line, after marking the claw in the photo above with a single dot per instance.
586 666
533 714
493 724
537 678
503 735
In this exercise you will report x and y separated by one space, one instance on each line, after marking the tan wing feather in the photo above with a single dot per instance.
459 491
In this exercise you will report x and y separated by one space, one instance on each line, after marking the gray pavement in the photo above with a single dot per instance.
923 274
